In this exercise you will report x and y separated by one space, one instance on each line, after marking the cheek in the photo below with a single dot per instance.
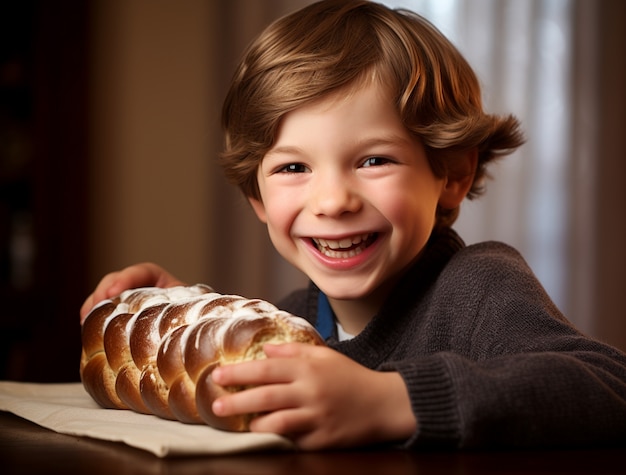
275 204
410 212
281 217
280 213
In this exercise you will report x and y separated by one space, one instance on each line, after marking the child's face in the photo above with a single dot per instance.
347 193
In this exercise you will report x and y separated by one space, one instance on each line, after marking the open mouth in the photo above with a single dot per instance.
344 248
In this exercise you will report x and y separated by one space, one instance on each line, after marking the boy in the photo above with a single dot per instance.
356 132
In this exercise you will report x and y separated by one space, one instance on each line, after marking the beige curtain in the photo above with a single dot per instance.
522 53
559 66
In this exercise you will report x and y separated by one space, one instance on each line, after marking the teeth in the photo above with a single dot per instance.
341 254
342 248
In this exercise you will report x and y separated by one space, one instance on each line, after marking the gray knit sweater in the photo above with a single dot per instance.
488 359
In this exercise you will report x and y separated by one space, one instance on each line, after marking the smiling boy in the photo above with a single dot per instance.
356 132
349 198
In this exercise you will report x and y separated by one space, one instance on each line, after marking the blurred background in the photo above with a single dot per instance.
109 129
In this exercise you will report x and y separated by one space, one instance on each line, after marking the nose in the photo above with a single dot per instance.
333 196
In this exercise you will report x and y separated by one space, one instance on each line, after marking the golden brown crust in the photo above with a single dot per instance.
153 350
207 390
101 379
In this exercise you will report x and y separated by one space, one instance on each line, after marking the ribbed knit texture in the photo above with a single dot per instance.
488 359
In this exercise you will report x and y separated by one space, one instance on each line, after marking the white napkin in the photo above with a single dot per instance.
68 409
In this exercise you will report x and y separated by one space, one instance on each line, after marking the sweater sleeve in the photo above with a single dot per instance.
528 400
508 369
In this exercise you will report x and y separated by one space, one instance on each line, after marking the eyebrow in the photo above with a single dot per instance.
392 139
286 150
360 144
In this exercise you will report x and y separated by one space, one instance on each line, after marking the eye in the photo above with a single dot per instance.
375 161
293 168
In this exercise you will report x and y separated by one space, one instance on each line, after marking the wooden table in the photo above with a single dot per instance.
26 448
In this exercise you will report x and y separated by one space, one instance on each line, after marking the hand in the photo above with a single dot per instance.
138 275
317 397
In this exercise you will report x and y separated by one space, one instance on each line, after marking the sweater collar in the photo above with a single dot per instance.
379 337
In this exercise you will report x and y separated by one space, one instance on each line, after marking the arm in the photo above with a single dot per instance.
318 397
138 275
489 361
543 399
508 369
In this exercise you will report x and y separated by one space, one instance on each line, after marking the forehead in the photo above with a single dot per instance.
357 104
362 96
359 119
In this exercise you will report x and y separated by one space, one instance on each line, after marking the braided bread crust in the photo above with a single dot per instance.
153 350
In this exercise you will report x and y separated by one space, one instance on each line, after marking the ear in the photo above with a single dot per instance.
259 209
459 180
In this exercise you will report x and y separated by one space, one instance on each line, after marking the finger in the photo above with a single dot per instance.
101 292
291 350
139 275
106 289
145 274
260 399
290 422
301 426
254 373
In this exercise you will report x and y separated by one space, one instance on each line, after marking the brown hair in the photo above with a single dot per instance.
335 44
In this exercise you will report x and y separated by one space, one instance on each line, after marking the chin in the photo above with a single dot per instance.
337 293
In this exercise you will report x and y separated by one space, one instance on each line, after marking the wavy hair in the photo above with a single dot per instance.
335 44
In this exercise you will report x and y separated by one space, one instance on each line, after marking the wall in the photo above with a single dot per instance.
160 70
151 145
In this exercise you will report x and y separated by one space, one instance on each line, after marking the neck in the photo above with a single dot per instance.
354 315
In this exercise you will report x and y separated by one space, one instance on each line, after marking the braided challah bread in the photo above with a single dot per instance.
153 350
